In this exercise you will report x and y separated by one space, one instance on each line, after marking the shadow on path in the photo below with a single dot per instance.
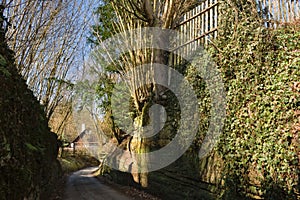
83 185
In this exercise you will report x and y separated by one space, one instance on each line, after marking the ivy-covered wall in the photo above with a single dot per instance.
261 72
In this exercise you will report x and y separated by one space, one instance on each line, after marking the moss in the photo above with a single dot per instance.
71 163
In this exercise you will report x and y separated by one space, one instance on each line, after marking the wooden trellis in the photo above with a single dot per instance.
200 25
276 12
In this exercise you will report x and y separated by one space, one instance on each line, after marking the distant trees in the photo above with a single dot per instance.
48 40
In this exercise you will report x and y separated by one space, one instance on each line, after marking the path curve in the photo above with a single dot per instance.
83 185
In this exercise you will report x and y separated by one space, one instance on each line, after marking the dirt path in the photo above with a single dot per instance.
82 185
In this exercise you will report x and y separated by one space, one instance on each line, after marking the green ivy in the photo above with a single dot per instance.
260 66
3 63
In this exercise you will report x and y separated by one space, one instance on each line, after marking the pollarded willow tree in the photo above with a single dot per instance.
48 40
118 16
157 13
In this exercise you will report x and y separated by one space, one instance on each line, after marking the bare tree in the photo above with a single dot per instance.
48 39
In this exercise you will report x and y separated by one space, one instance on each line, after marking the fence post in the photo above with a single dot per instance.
73 146
82 127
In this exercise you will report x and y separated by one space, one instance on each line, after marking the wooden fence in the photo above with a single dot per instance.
197 27
275 12
200 25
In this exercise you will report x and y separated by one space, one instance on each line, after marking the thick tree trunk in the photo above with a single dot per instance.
160 56
140 146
